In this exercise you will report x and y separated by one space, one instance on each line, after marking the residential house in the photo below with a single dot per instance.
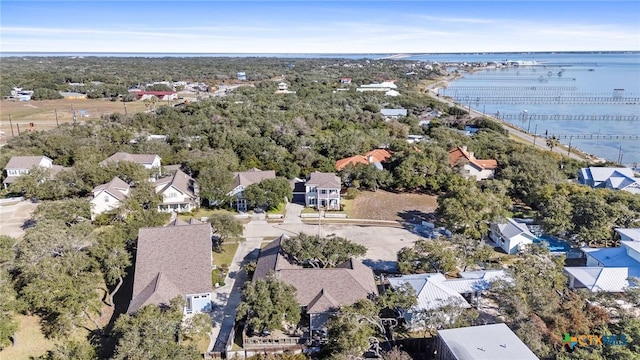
610 178
384 86
435 291
322 190
173 261
345 80
241 180
392 114
480 169
283 88
160 95
375 157
393 93
108 196
241 75
632 234
511 235
149 161
21 165
484 342
320 292
180 193
608 269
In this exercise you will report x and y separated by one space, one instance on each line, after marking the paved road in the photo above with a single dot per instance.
540 142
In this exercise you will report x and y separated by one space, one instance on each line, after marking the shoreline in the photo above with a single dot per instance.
513 131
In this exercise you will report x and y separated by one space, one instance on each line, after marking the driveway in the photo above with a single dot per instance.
13 216
292 214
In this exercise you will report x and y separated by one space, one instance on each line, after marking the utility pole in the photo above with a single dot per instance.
11 125
56 111
125 107
535 133
569 149
18 126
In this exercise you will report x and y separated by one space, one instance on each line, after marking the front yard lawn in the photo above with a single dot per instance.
226 256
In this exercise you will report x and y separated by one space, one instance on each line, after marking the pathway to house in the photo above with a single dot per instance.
292 214
227 298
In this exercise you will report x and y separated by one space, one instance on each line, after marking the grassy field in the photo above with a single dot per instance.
43 113
383 205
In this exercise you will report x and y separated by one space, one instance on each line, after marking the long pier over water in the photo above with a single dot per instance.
552 100
560 117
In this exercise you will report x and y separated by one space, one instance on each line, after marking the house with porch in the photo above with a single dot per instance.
241 180
22 165
610 269
320 292
510 235
108 196
434 291
480 169
322 190
180 193
172 261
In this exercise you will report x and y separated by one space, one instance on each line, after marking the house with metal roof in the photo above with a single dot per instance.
173 261
511 235
108 196
607 269
320 292
485 342
434 291
322 190
629 234
480 169
610 178
180 193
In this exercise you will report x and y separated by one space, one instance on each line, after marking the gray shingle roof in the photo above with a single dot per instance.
171 261
252 176
116 188
24 162
321 290
181 181
135 158
323 180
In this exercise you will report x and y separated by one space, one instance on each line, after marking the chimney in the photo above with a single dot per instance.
464 147
471 155
370 159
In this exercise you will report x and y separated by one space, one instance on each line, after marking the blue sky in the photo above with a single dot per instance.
318 27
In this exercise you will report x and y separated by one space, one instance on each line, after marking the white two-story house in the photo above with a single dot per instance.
180 193
108 196
22 165
511 235
322 190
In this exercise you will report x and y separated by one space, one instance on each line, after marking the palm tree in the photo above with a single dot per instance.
552 142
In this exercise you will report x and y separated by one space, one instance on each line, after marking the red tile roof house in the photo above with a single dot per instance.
173 261
21 165
320 292
480 169
375 157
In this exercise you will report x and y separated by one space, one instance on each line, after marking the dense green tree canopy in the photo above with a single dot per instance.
321 252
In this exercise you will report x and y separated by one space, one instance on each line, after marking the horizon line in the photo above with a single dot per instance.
326 53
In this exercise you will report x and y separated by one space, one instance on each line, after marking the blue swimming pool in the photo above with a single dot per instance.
553 243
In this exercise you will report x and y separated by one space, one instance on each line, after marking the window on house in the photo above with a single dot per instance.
189 304
106 198
323 191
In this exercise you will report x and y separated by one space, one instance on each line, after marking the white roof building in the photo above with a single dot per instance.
511 235
434 290
610 178
486 342
608 269
632 234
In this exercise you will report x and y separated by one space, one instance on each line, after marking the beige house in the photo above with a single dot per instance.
480 169
108 196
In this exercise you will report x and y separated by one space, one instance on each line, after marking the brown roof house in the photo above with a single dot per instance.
180 193
241 180
323 190
480 169
173 261
21 165
108 196
320 292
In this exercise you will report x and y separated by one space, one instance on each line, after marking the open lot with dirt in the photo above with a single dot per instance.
43 113
384 205
13 216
